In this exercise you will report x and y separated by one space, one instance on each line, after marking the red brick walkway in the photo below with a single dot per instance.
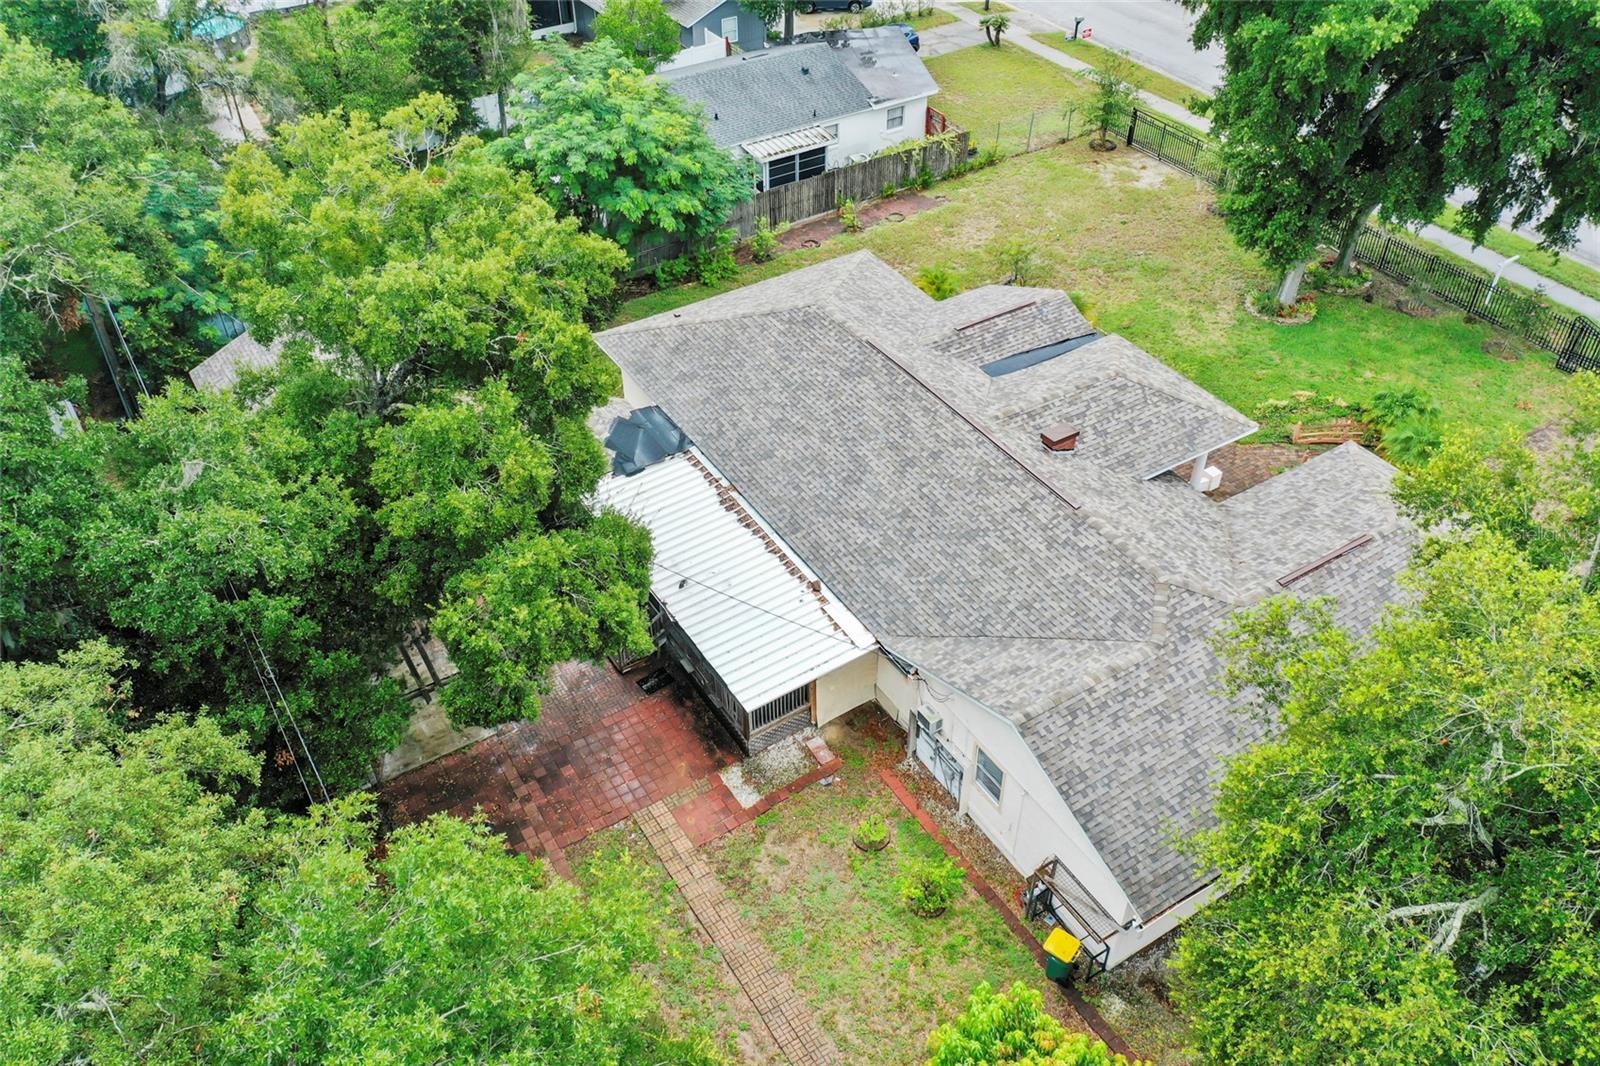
716 811
599 751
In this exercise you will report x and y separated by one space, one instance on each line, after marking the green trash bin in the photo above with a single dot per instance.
1061 950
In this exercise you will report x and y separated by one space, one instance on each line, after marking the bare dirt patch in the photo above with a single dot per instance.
896 208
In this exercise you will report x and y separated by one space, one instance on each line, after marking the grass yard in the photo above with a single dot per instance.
933 18
978 6
1141 77
1136 245
993 92
879 977
697 991
1568 272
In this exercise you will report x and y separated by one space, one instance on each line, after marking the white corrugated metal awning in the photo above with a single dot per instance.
782 144
757 614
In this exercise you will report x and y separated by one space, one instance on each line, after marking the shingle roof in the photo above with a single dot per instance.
1072 592
221 370
684 12
756 94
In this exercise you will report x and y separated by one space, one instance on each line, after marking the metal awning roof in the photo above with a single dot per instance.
782 144
757 614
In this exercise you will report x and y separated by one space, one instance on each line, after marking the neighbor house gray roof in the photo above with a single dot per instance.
755 94
222 368
884 62
1073 592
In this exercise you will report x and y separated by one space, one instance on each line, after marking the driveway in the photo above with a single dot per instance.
600 750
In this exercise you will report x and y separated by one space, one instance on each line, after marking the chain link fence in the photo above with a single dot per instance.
1041 128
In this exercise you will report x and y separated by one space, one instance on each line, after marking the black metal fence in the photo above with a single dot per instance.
1573 338
1175 145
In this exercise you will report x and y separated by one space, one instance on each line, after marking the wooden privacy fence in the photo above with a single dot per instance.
816 196
1573 338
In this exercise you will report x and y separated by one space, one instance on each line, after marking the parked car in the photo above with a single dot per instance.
911 34
834 5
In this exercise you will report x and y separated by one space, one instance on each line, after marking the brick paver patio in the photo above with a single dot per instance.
600 750
794 1028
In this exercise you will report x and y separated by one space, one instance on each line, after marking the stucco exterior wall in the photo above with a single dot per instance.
867 132
846 688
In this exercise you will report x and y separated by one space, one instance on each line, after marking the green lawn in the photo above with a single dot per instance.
977 5
696 990
1568 272
994 92
878 976
1142 77
1135 244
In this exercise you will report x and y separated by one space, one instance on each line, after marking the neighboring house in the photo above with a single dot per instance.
800 109
971 512
221 369
698 20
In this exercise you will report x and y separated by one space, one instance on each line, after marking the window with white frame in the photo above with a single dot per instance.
897 117
991 778
730 29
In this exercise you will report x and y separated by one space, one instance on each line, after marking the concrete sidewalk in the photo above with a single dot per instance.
1024 24
1516 272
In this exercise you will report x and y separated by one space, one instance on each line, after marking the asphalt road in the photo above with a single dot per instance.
1155 32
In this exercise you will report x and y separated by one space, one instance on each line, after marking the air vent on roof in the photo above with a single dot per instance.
1061 437
805 70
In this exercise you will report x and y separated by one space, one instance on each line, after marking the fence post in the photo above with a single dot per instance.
1132 122
1031 116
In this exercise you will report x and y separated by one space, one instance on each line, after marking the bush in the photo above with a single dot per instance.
888 190
923 180
927 886
989 156
1412 442
764 242
1323 276
872 833
847 216
938 282
1403 403
674 271
714 262
1011 1029
1019 259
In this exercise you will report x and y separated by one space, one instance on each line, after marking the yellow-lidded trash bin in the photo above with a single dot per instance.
1061 955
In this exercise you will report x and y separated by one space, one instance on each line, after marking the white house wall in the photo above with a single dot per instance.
1031 822
867 132
846 688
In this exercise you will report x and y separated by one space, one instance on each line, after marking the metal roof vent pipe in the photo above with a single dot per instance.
1061 437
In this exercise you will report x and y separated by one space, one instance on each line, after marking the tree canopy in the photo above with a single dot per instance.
1328 110
307 63
146 916
1408 862
1012 1028
620 151
643 29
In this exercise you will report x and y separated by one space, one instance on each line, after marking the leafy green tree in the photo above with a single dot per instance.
994 25
150 51
443 266
308 63
1491 480
770 11
643 29
1328 110
126 872
1407 862
145 916
70 189
66 31
49 488
1012 1028
447 949
619 150
1114 94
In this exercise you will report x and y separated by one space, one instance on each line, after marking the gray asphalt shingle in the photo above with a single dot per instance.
756 94
850 410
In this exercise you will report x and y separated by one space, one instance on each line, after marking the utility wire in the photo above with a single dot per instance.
264 674
840 637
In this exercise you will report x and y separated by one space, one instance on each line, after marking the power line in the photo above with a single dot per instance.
755 607
264 674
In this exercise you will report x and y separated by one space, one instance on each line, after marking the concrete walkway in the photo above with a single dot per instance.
794 1028
1024 24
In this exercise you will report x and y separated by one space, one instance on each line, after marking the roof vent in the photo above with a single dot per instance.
1061 437
805 70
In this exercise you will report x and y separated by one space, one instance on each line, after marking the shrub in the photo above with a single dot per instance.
923 180
989 156
927 886
1323 276
1412 442
872 832
764 242
888 190
1010 1029
847 216
938 282
674 271
714 262
1403 403
1019 259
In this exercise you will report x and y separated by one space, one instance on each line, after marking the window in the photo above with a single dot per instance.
990 776
730 29
544 14
798 167
897 117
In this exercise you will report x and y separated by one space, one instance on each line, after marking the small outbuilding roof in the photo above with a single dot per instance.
761 618
783 144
